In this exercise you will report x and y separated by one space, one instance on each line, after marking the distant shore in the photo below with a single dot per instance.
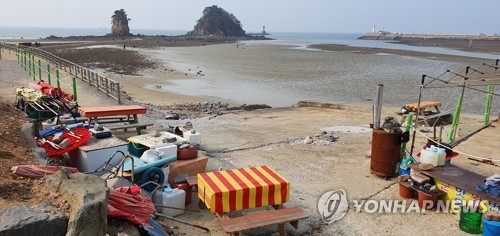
468 43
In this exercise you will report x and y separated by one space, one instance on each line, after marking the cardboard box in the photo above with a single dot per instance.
189 167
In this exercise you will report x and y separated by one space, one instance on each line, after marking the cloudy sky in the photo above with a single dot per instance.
338 16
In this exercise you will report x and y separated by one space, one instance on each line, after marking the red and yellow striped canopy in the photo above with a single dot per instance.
231 190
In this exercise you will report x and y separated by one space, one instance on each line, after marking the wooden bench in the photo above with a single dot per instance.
279 217
110 119
445 116
137 126
425 113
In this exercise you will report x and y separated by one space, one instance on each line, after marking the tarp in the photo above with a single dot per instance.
126 203
231 190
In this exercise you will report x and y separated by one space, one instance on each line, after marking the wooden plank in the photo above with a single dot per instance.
129 126
273 217
460 178
137 127
424 104
100 111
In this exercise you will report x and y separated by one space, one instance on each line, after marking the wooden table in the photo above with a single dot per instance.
106 111
428 110
460 178
245 188
115 114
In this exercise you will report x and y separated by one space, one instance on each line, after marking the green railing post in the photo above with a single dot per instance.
487 105
48 71
24 59
39 69
75 97
33 73
1 48
455 119
57 75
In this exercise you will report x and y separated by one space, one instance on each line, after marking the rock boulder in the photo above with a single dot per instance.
41 219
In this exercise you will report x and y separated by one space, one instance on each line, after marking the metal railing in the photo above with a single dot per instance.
26 54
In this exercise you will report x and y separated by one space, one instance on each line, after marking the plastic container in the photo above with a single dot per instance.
193 138
136 149
163 139
427 197
405 190
158 199
168 150
404 172
491 228
429 155
441 156
189 192
174 198
470 222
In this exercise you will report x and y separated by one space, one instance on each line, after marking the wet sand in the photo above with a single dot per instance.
256 72
366 50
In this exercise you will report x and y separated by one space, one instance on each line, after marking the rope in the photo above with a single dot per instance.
462 153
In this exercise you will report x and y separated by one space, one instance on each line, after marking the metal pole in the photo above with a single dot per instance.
416 116
378 106
456 116
24 59
48 72
75 97
407 129
57 77
487 106
39 69
33 73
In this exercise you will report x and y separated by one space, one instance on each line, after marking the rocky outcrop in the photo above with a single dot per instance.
120 24
41 219
216 21
88 197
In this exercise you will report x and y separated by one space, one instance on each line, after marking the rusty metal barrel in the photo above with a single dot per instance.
386 151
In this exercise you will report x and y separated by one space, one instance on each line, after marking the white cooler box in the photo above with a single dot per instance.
194 139
169 150
95 152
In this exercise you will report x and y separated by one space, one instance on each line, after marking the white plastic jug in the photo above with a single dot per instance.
173 198
441 156
158 199
429 155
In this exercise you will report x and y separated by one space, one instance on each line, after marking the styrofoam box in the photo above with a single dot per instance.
192 138
95 152
150 141
168 150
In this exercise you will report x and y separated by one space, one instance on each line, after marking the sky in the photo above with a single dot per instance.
330 16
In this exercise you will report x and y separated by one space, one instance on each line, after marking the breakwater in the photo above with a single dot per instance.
418 37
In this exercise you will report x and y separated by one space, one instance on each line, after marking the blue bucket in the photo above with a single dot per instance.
491 228
404 172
